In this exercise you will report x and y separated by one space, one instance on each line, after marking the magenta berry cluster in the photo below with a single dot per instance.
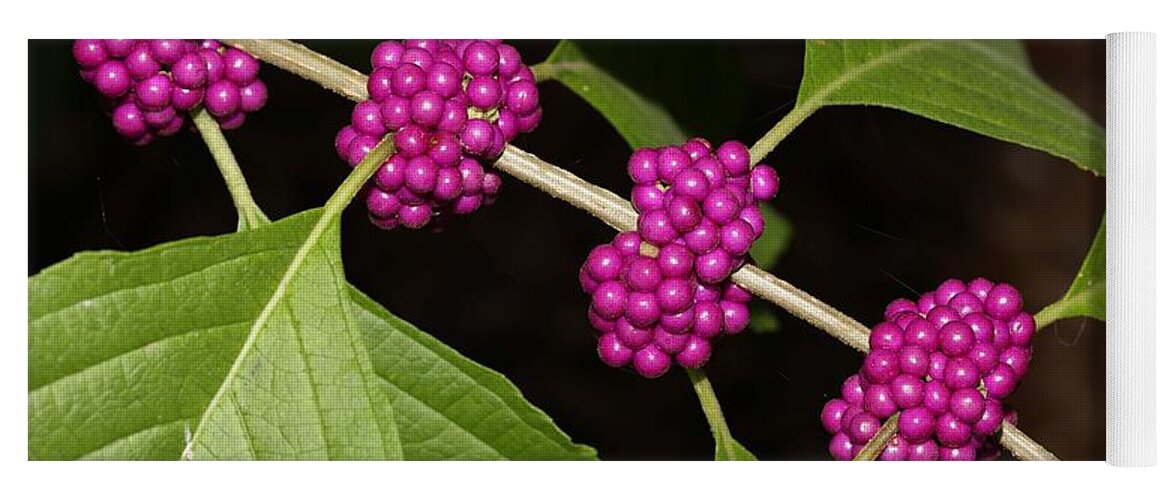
945 364
698 207
649 311
702 199
149 86
452 105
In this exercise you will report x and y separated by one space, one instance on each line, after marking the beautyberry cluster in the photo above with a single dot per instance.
148 86
703 200
698 207
650 310
945 364
452 105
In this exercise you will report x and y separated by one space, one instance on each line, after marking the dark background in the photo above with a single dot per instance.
881 201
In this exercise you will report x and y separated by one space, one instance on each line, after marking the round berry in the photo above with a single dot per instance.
691 183
684 213
483 92
765 183
852 390
427 108
675 295
129 122
522 97
956 338
886 335
960 373
898 306
382 204
721 206
477 137
714 266
613 352
916 425
736 317
967 404
680 322
880 366
926 451
990 420
949 289
253 96
609 299
951 431
862 428
966 304
1021 327
936 397
392 174
481 58
980 288
411 140
632 336
408 80
89 53
831 415
650 362
695 353
387 54
1018 359
642 167
366 118
907 391
879 400
734 157
112 79
914 361
240 67
1003 302
444 80
166 51
704 238
708 320
736 237
223 98
647 197
421 175
841 448
642 309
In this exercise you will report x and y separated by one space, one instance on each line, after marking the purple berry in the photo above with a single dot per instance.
642 309
708 321
366 118
668 342
736 317
704 238
721 206
392 174
675 295
642 167
923 452
942 315
655 227
382 204
980 288
831 415
695 353
650 362
680 322
671 161
675 261
609 299
951 431
965 453
960 373
907 391
481 58
483 92
427 108
956 338
632 336
736 237
395 112
916 425
879 400
684 213
914 361
604 263
411 141
734 157
647 198
421 175
240 67
522 97
936 397
765 183
990 420
899 306
477 137
886 335
112 79
223 98
841 448
691 183
166 51
253 96
408 80
949 289
1018 359
967 404
852 390
862 428
880 366
387 54
1003 302
89 53
128 121
714 266
1021 327
613 352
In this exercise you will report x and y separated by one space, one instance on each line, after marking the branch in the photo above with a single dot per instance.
614 210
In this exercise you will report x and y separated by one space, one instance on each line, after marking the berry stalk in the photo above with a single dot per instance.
250 214
617 212
878 443
711 406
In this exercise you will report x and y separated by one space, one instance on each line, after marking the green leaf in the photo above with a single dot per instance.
634 84
448 406
127 351
641 121
985 86
778 233
1087 295
233 347
731 450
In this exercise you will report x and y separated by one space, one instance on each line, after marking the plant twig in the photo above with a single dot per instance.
618 212
250 214
711 410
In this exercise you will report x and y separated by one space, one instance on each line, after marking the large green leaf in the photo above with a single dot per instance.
985 86
128 350
1087 295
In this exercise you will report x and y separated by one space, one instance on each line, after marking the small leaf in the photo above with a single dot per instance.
985 86
641 121
778 232
652 92
127 350
731 450
1087 295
